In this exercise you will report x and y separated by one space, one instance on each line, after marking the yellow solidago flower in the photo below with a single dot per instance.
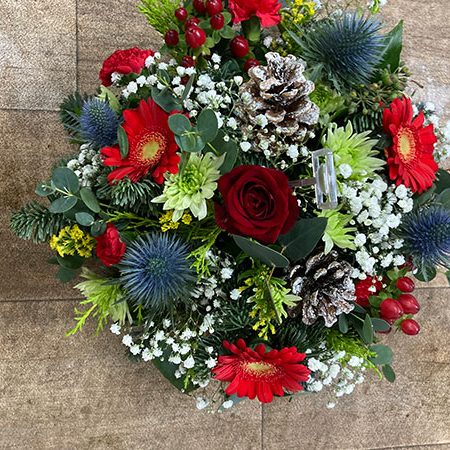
301 11
73 241
167 223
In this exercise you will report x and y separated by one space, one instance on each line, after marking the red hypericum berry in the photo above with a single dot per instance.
195 37
240 47
192 22
188 61
181 14
214 7
409 303
172 38
199 6
391 309
405 284
252 62
410 327
217 22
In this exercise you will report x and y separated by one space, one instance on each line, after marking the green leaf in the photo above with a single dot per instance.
84 219
367 330
229 148
89 199
70 262
424 198
426 273
227 32
358 309
188 88
444 198
343 323
63 204
122 139
443 181
65 275
190 143
227 16
207 125
260 252
394 46
384 354
98 229
252 29
165 100
66 180
375 301
303 238
380 324
179 124
388 373
43 190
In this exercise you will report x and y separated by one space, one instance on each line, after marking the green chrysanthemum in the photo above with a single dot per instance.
337 232
191 188
353 152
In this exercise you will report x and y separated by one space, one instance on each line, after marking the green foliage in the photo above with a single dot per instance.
35 222
337 232
160 14
104 301
70 112
130 197
200 254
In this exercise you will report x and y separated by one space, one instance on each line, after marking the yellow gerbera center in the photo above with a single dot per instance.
151 146
406 145
259 369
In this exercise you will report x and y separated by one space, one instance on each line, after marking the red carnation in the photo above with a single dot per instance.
255 373
127 61
110 248
365 289
257 202
410 157
266 10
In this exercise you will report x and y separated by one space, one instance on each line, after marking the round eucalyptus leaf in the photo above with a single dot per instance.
66 180
63 204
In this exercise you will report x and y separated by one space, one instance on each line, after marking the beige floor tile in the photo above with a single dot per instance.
30 144
37 53
412 411
105 26
84 393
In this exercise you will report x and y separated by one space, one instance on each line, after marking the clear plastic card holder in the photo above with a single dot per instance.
325 179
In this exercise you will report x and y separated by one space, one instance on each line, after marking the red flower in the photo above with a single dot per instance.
152 145
258 202
410 157
365 289
110 248
255 373
266 10
124 62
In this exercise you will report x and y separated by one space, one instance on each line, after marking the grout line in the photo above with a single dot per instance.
403 447
29 110
41 300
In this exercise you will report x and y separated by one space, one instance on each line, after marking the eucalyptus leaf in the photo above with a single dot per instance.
443 181
343 323
89 199
188 88
384 354
367 330
425 197
303 238
179 124
70 262
65 274
444 198
229 148
207 125
165 100
388 373
98 229
260 252
122 139
84 219
380 324
63 204
44 190
66 180
190 143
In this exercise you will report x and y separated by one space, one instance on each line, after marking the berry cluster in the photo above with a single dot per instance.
202 26
391 299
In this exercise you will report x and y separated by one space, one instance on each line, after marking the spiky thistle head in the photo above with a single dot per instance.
348 48
155 271
426 235
99 123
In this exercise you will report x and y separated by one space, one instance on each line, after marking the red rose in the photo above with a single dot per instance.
257 202
266 10
127 61
110 248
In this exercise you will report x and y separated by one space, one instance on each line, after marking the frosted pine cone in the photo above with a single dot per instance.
325 287
279 91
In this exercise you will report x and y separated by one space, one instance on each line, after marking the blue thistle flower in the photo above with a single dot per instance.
155 271
426 233
349 48
99 123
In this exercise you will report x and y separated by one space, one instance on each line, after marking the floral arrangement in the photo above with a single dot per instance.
247 205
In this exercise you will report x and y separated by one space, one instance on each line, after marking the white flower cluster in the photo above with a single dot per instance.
86 167
335 371
377 209
181 340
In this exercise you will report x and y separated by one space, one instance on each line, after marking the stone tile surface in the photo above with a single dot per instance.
412 411
30 143
84 393
37 53
104 27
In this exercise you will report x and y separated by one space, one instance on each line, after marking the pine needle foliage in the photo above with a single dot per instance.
295 333
69 112
35 222
160 14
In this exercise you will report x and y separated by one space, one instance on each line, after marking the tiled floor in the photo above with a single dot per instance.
82 392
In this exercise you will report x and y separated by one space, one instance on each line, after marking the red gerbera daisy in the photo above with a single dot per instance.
255 373
152 146
410 157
